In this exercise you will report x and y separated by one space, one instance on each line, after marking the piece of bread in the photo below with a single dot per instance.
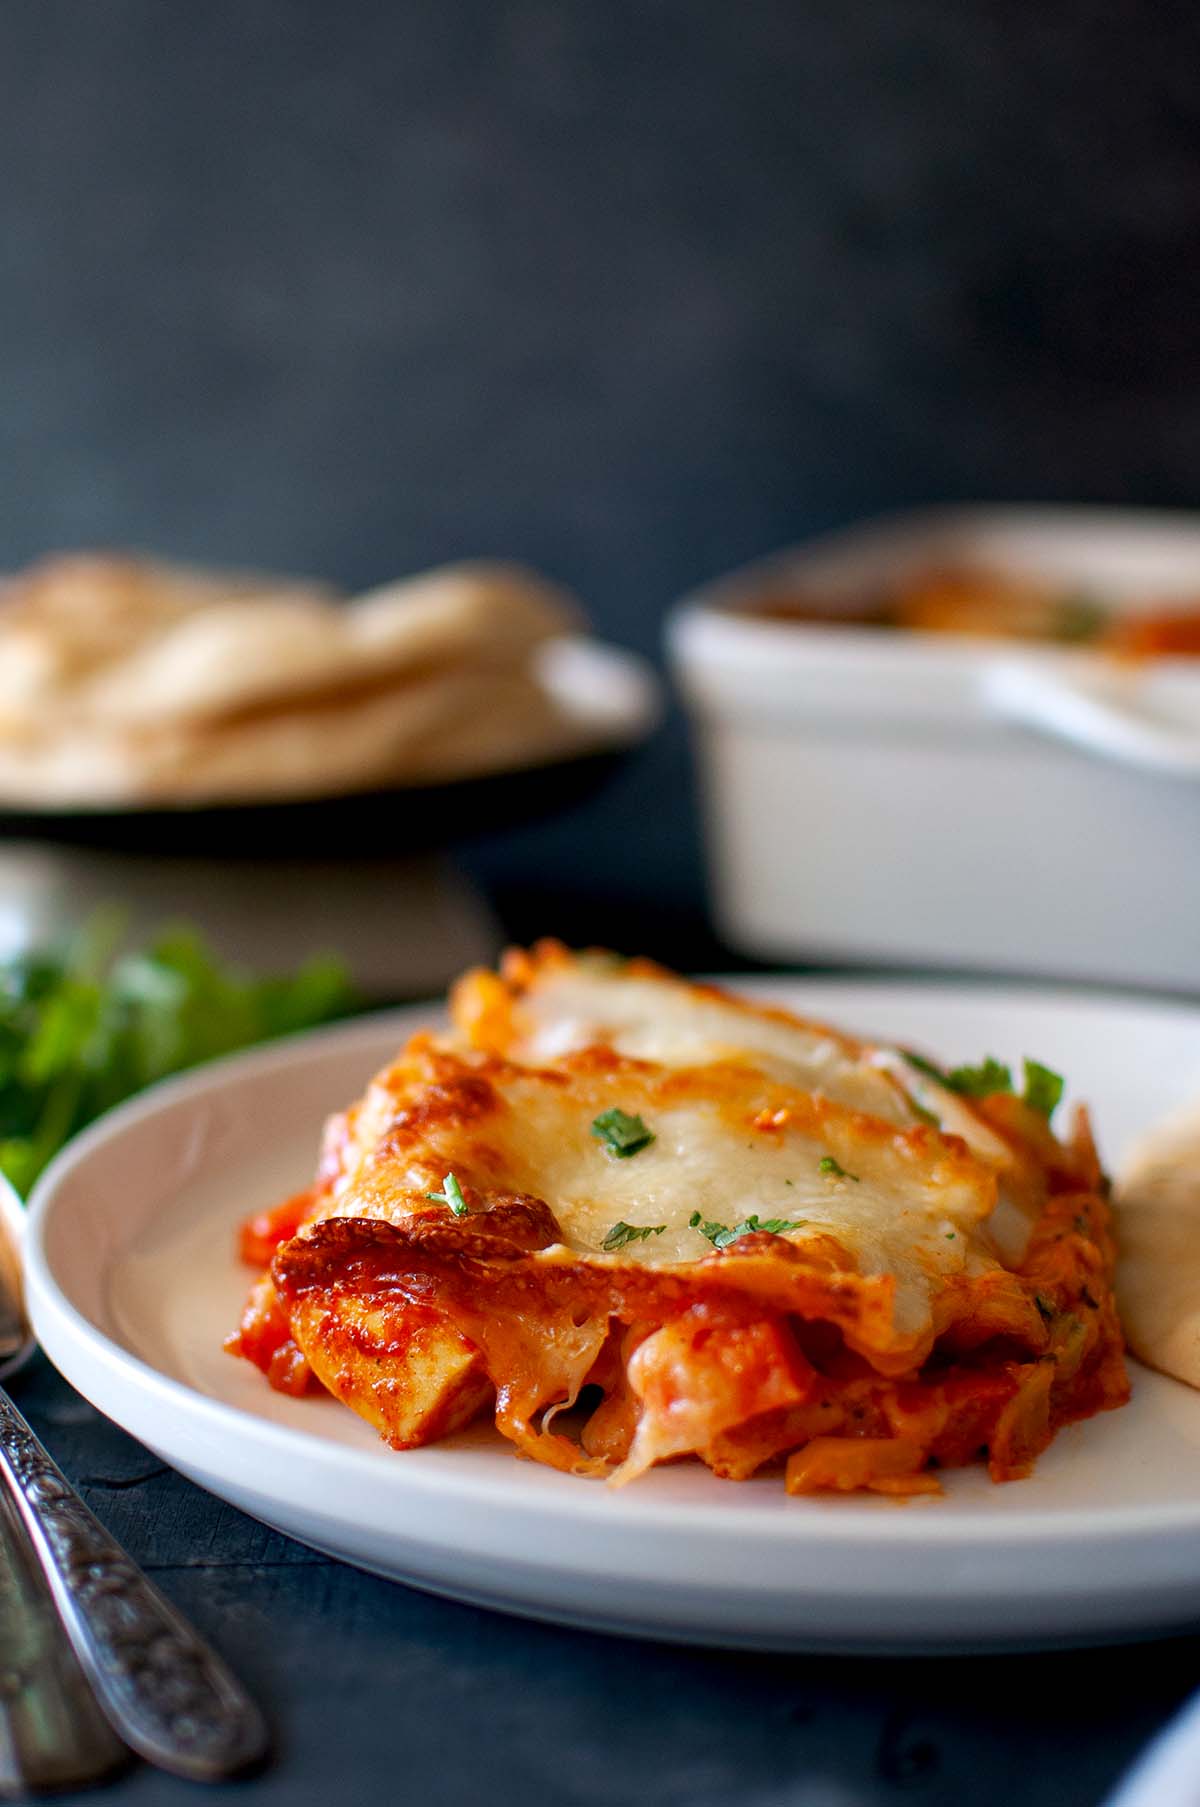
128 683
1158 1232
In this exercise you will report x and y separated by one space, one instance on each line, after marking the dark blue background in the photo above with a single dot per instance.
634 289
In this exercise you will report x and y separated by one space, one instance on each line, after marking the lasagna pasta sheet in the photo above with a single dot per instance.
640 1219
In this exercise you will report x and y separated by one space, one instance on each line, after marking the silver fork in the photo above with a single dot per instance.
161 1689
52 1732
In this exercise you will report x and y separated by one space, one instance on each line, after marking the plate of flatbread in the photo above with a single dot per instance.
128 685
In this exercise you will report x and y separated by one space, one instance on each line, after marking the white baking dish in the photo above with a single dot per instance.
952 802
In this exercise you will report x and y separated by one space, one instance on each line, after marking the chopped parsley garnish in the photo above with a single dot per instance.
622 1234
604 959
451 1195
924 1066
919 1063
834 1169
721 1235
983 1081
1043 1088
1078 617
621 1134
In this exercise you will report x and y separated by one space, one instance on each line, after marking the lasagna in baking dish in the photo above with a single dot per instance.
639 1219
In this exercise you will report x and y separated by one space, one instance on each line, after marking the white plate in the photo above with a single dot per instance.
133 1282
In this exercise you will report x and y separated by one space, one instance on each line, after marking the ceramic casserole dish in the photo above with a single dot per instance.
945 800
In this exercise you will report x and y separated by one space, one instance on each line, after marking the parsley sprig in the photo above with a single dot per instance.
451 1196
1042 1087
622 1234
924 1066
721 1235
621 1134
983 1081
86 1025
834 1169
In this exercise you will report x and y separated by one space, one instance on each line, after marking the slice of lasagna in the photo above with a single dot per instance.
640 1219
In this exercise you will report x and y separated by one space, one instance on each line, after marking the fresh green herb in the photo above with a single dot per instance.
721 1235
450 1195
1043 1088
951 1235
621 1134
836 1171
921 1065
83 1028
622 1234
983 1081
1078 617
924 1066
604 959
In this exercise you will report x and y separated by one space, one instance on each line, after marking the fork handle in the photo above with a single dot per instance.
163 1690
52 1733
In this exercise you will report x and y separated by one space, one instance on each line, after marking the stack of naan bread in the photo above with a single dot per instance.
126 683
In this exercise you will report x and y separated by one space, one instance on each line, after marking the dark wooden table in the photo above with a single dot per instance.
377 1693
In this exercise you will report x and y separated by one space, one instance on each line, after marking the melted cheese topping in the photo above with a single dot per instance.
564 1002
551 1002
729 1143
